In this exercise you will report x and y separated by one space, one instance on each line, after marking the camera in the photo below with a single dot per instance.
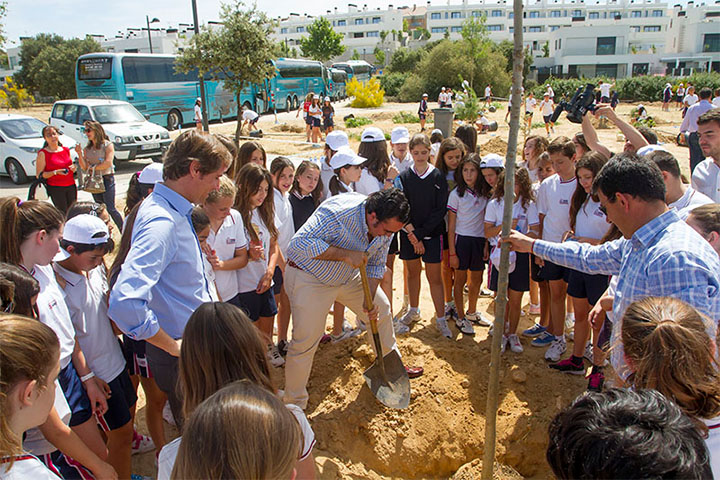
582 102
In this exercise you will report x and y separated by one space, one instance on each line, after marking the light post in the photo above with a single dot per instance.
203 106
148 21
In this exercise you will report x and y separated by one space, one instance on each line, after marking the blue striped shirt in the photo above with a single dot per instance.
338 222
663 258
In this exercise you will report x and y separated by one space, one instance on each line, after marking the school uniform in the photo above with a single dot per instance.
315 116
553 201
422 109
706 179
690 200
402 164
328 115
286 229
526 216
229 237
302 207
547 110
24 467
427 195
368 183
250 117
530 107
326 173
590 223
256 305
86 298
469 229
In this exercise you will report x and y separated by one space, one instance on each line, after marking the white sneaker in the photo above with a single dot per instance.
442 325
589 352
569 321
273 355
556 349
465 326
346 333
571 335
479 318
142 444
400 328
410 317
167 414
403 310
515 345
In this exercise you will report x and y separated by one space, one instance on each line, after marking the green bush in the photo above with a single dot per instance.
357 122
467 107
393 82
412 89
406 117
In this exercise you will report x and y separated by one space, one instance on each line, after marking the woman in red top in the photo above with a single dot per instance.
54 164
306 116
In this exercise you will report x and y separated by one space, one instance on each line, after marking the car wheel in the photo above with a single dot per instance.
15 171
174 120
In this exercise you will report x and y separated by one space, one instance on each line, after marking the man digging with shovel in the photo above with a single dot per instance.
324 256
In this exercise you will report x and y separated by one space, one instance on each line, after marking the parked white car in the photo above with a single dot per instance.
20 139
133 136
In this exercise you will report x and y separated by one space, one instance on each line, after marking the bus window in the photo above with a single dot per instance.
95 68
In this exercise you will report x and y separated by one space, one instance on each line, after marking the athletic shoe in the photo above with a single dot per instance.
543 340
410 317
326 338
450 312
283 347
403 310
400 328
589 352
569 321
465 326
349 333
534 309
486 293
556 350
276 360
479 318
167 414
514 342
571 335
141 443
346 325
442 325
534 331
568 366
595 382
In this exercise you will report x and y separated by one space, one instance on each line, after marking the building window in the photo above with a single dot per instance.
496 13
456 29
640 69
555 13
606 70
554 27
495 28
359 21
652 28
284 30
511 15
511 29
376 19
373 34
358 35
577 13
605 46
456 15
477 13
534 14
342 23
711 43
657 13
300 29
435 16
594 15
534 29
438 30
635 14
634 29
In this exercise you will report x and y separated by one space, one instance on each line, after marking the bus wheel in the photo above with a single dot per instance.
174 120
296 104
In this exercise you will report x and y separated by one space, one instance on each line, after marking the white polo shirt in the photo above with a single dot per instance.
690 200
225 241
591 221
54 312
553 201
368 184
706 179
546 107
86 298
470 211
35 442
605 89
283 219
526 216
24 467
249 277
403 164
326 173
530 105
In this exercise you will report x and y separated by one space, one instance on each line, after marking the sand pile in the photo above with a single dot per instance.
285 127
494 145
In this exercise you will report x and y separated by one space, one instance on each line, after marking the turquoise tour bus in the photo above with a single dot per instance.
150 83
360 69
336 85
294 78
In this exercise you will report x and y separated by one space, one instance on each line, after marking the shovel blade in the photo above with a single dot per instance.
393 388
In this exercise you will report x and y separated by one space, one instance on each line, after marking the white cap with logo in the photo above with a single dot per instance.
372 134
151 174
337 139
399 135
492 160
345 157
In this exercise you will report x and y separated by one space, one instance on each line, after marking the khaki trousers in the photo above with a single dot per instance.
310 301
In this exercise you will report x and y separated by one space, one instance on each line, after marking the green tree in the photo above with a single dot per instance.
355 55
3 13
475 36
239 52
48 64
406 25
379 55
506 49
383 35
405 60
323 43
546 49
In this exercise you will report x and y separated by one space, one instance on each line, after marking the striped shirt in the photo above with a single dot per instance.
338 222
663 258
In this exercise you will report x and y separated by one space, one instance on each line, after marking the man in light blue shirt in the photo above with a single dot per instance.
660 255
689 126
162 280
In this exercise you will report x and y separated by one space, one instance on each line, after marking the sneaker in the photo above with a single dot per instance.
465 326
589 352
534 309
400 328
595 382
403 310
450 312
167 414
543 340
568 366
442 325
479 318
514 342
534 331
571 335
346 325
349 333
486 293
283 347
326 338
569 321
556 350
276 360
410 317
141 443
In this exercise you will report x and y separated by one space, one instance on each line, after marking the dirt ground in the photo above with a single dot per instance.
441 434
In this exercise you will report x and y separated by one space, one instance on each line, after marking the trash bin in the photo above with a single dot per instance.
444 120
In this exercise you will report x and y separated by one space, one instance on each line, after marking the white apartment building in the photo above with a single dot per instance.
693 38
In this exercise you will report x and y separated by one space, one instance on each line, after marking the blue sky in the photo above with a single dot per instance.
75 18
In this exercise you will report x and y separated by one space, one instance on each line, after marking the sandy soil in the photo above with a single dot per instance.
441 434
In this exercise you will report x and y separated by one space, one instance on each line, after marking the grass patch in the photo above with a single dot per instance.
357 122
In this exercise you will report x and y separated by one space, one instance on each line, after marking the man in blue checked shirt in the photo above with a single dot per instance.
660 255
323 261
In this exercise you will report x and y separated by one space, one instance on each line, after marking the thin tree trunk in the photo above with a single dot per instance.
238 127
501 299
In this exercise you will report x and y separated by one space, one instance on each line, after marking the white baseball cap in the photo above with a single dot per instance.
327 99
424 94
198 99
86 229
492 160
442 88
372 134
344 157
648 149
336 140
151 174
399 135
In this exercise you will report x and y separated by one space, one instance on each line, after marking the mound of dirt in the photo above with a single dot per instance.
285 127
473 471
382 116
494 145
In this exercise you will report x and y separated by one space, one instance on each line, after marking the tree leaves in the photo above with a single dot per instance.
323 43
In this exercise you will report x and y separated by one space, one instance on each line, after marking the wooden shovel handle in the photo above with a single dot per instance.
368 296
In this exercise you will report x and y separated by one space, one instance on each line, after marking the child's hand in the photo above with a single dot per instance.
419 247
215 262
264 283
392 172
539 262
256 252
454 262
596 317
97 398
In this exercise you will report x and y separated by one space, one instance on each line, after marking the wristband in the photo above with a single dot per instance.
87 377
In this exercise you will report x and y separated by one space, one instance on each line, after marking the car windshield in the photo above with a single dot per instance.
117 114
22 128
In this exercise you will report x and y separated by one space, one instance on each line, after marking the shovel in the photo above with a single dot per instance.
387 378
